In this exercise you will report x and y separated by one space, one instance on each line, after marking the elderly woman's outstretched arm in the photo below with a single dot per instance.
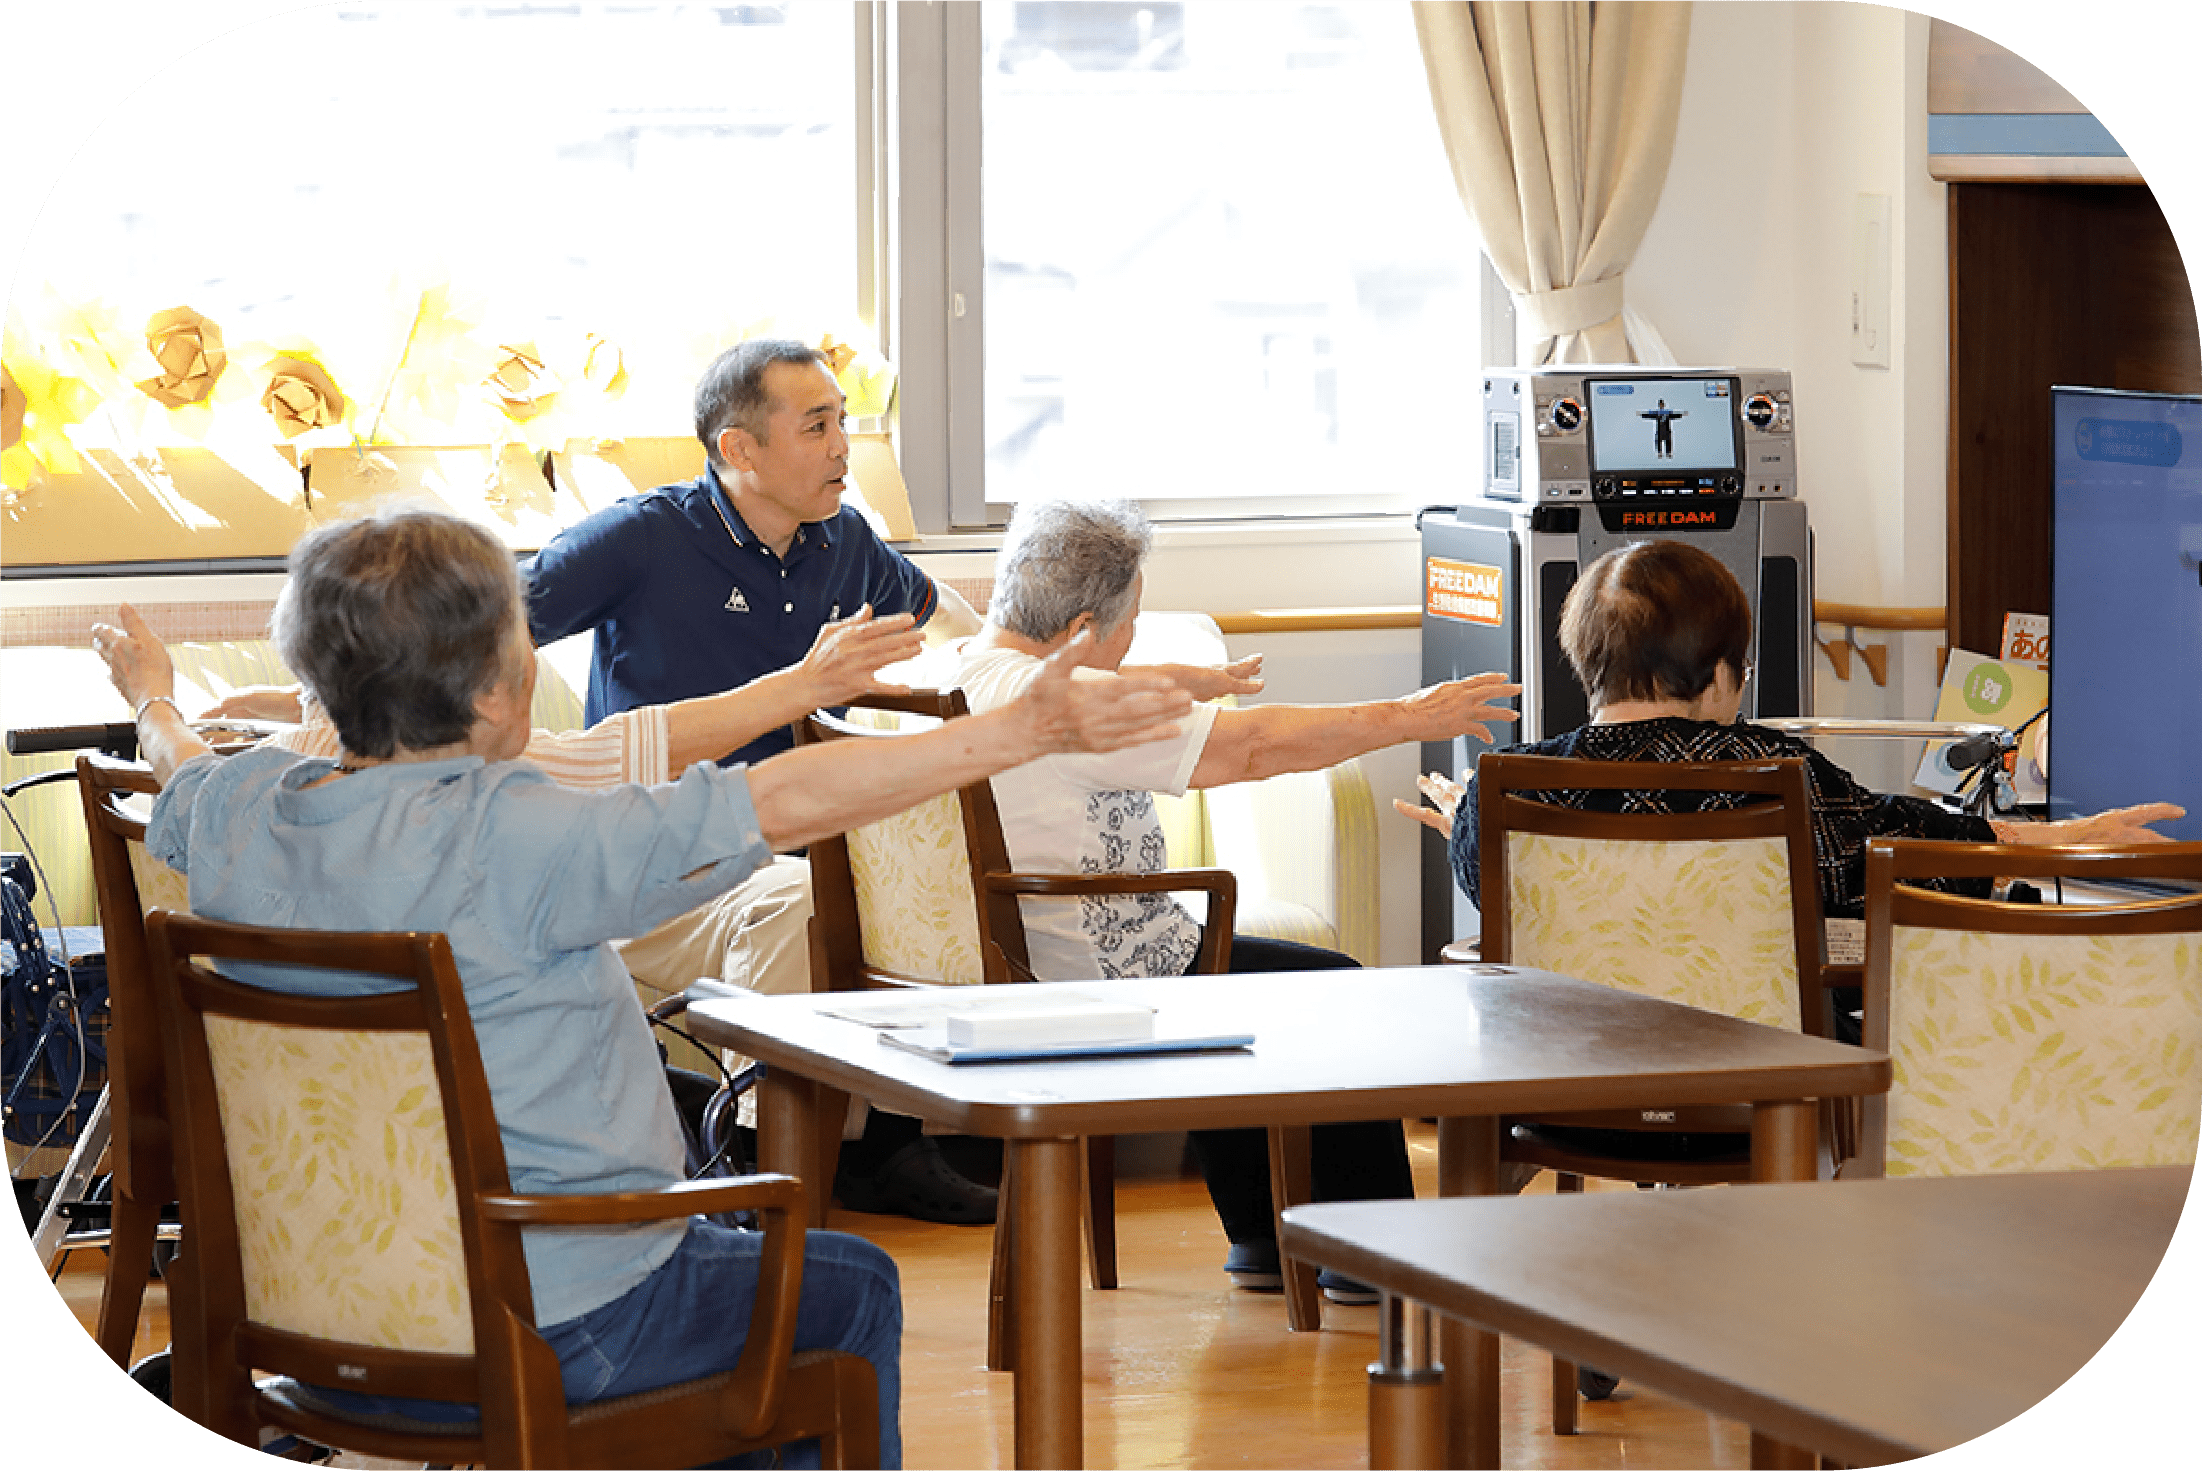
816 791
138 663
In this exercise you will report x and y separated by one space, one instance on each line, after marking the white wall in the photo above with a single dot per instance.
1789 112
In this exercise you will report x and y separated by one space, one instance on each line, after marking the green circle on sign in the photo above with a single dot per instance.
1987 689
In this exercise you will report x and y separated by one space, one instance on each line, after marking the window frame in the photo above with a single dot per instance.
923 87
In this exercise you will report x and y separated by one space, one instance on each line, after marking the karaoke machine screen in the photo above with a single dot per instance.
1655 424
2125 615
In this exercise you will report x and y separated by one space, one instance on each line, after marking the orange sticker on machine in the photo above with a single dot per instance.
1469 591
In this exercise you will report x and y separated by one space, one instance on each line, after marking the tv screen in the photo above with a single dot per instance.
2125 617
1648 425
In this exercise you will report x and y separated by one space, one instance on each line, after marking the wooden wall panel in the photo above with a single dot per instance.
2050 284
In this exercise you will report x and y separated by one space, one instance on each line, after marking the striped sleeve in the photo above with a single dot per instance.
628 747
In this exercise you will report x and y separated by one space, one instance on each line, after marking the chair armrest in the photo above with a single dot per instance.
760 1374
1221 887
686 1198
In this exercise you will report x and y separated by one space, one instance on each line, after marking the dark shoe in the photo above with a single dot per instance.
1340 1288
1254 1266
1591 1384
916 1182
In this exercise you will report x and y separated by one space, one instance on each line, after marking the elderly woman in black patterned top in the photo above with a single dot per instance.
1659 633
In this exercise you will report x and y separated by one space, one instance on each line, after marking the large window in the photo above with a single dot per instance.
1224 257
661 178
1205 253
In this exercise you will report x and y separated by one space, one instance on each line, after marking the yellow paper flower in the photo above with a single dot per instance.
189 350
11 409
301 396
838 353
521 383
866 380
431 389
603 366
37 406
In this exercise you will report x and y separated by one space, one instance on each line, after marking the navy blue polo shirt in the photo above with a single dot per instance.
686 601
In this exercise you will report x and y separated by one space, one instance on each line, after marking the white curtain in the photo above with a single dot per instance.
1559 119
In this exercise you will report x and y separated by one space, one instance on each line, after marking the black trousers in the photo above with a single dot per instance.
1363 1161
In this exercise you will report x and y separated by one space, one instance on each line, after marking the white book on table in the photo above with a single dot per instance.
1051 1022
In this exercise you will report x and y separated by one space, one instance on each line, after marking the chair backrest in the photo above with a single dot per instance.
897 901
2032 1036
324 1147
1716 909
129 881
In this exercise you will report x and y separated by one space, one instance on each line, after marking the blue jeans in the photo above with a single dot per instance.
688 1319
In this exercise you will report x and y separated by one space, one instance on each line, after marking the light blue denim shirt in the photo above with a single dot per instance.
529 880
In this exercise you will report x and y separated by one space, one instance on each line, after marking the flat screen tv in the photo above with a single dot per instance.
2125 617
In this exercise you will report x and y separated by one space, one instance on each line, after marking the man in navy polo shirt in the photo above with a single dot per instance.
699 588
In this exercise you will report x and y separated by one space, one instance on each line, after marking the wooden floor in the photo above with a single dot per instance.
1181 1370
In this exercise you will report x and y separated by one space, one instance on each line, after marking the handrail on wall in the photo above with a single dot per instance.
1854 616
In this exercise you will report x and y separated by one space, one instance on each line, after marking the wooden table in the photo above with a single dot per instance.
1867 1320
1462 1043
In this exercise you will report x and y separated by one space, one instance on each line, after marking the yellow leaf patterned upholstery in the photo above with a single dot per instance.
914 897
159 886
2045 1052
1706 924
342 1173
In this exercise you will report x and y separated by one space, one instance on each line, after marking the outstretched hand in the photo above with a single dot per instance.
1461 707
845 659
1442 795
137 661
1211 681
276 702
1099 712
2120 825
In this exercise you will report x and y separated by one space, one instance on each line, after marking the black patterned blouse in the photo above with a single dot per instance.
1844 814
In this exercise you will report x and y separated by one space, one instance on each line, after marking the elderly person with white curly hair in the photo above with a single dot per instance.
1071 570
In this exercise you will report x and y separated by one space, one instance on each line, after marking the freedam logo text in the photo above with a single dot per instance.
1706 517
1468 591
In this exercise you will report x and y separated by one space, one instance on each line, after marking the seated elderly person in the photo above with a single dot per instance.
407 627
1659 633
758 932
1069 570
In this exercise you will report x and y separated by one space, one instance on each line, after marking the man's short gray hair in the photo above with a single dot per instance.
731 394
1062 558
395 622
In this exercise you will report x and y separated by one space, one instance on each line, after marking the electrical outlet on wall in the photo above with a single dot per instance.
1869 281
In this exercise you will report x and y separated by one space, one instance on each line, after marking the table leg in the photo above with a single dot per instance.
1292 1182
1468 1164
1406 1389
787 1136
1785 1145
1049 1413
1785 1140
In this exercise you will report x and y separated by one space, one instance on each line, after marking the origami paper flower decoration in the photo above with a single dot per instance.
37 406
867 380
11 410
189 350
522 384
603 366
301 396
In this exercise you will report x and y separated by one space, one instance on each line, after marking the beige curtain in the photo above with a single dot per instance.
1559 119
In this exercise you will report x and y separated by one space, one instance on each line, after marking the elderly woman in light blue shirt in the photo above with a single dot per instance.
407 626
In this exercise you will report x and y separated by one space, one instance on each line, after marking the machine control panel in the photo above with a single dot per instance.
1647 447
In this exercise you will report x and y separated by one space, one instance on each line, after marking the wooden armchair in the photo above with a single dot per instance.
141 1167
1718 910
2029 1037
928 897
366 1237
